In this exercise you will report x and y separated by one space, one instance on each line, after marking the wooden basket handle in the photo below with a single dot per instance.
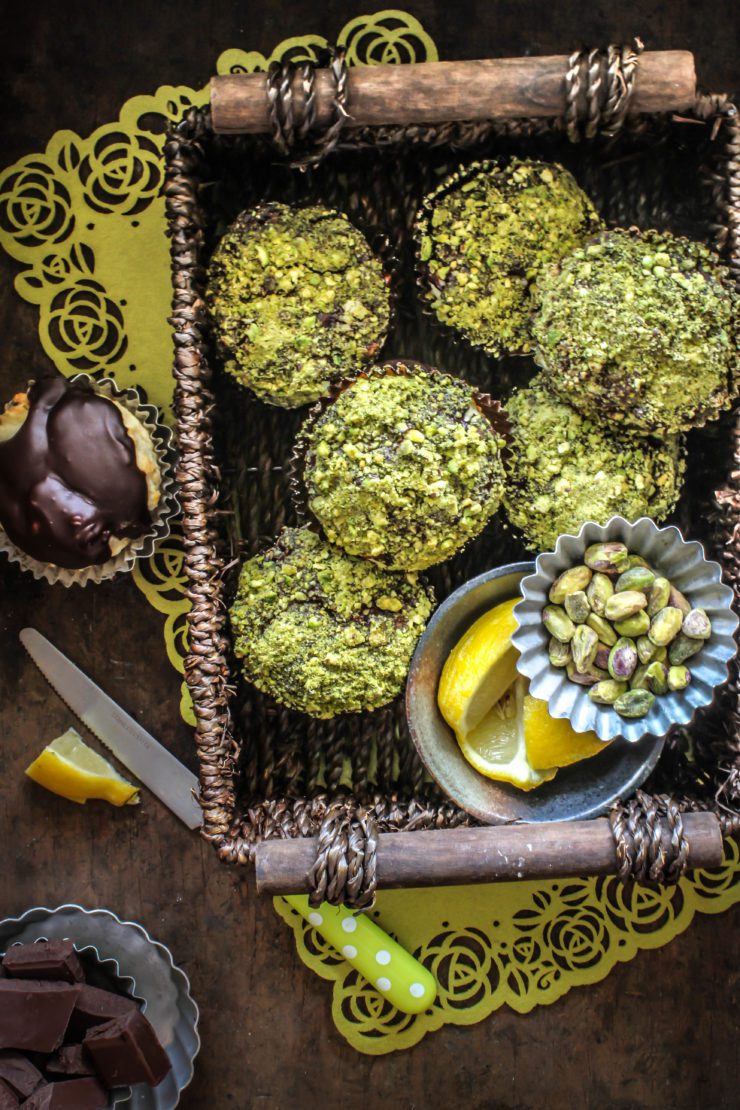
444 92
450 857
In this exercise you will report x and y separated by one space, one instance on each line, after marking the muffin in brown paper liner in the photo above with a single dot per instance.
158 456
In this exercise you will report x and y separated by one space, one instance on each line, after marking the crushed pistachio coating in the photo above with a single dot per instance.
404 469
322 632
297 299
639 329
564 469
483 241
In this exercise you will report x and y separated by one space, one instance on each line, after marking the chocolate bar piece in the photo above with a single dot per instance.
127 1050
94 1006
71 1059
34 1014
8 1098
47 959
75 1094
19 1073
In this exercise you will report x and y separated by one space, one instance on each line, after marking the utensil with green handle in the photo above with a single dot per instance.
393 971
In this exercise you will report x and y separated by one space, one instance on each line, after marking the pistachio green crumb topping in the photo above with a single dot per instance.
404 469
482 242
564 469
297 300
322 632
640 329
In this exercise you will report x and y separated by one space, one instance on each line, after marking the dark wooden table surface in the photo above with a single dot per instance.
662 1030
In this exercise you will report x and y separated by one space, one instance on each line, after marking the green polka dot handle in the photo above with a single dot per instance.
392 970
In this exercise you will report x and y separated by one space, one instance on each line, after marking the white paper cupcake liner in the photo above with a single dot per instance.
143 546
685 564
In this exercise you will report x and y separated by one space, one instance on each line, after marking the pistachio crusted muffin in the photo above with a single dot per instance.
297 299
403 467
322 632
564 469
639 329
482 239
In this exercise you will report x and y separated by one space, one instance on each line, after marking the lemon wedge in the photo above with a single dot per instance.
497 747
68 767
479 669
551 741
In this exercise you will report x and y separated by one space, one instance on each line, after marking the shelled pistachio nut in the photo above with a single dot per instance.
622 605
665 626
634 626
678 601
646 649
584 645
636 578
607 691
598 592
623 659
657 674
697 625
634 703
558 623
559 653
577 607
658 596
603 629
586 678
682 648
569 582
609 558
678 678
640 679
601 659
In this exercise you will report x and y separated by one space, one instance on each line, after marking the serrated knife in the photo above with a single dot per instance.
144 756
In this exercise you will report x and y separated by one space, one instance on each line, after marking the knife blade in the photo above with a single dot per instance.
144 756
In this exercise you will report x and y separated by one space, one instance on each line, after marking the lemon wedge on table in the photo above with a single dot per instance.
503 732
68 767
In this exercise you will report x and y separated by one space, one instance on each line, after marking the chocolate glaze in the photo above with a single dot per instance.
68 477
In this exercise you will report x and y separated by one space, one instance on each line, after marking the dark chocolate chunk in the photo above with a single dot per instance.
19 1073
34 1014
48 959
8 1097
75 1094
127 1050
69 479
94 1006
71 1059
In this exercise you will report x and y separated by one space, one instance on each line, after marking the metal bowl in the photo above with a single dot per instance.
125 957
683 562
585 789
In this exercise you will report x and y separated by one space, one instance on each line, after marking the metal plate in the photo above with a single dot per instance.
585 789
144 968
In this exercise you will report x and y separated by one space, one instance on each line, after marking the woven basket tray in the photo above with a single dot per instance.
266 772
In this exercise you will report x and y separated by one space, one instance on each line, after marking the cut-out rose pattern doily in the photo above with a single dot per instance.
85 219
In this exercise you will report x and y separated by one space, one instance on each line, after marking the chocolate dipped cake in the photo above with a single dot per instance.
79 477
